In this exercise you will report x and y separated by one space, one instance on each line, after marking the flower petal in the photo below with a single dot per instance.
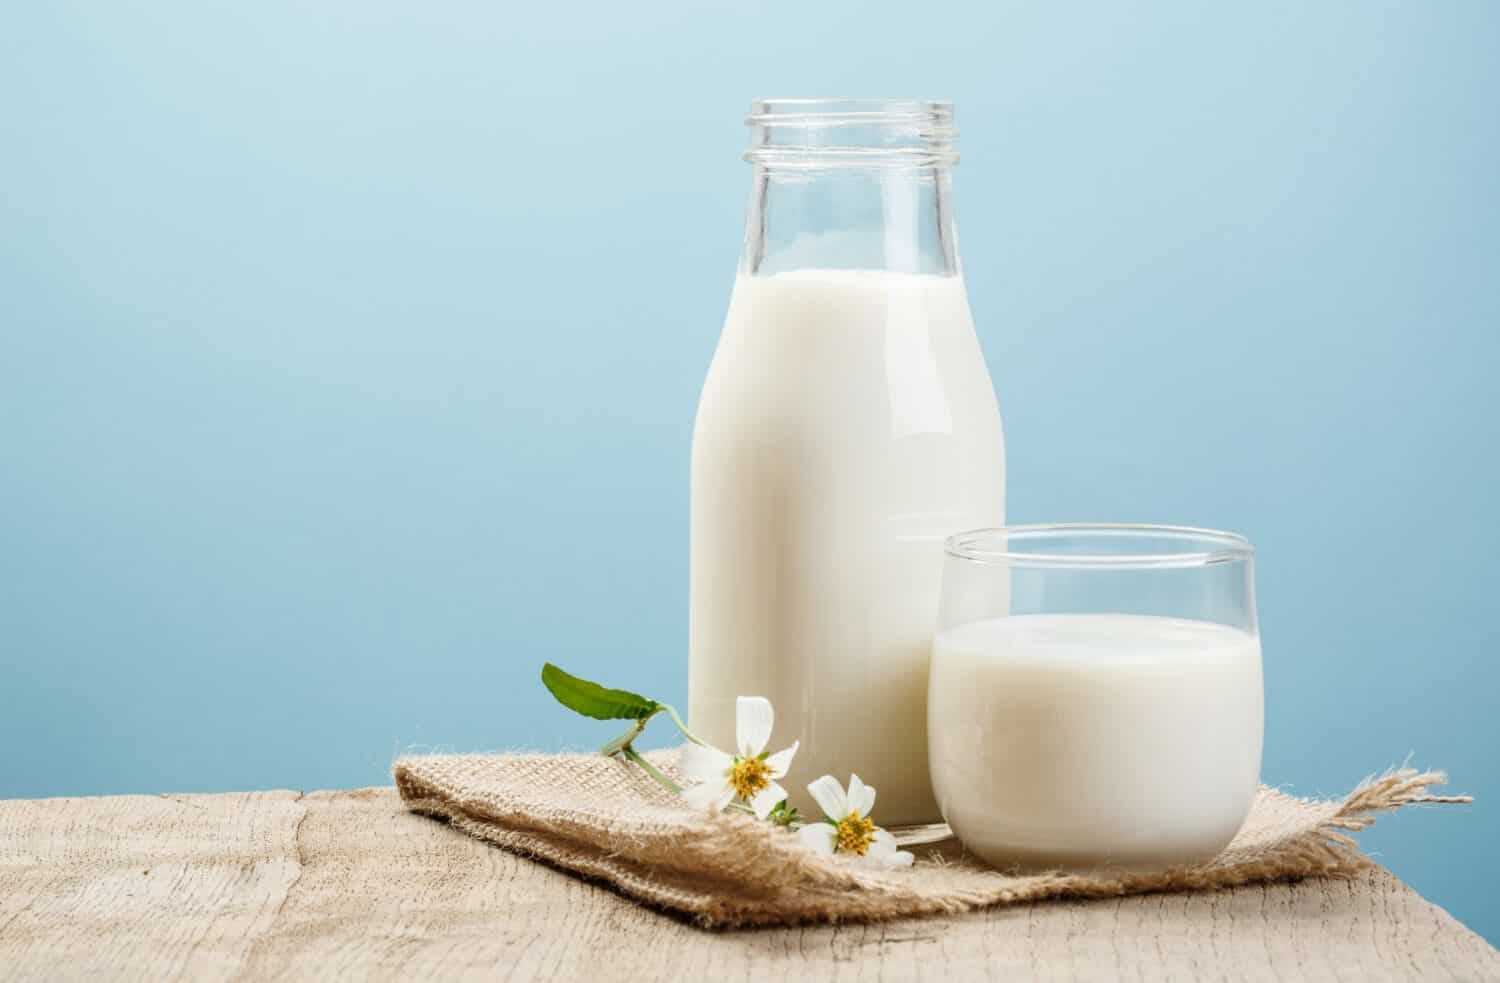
709 796
818 836
697 763
883 852
829 795
753 718
898 859
782 760
765 800
861 796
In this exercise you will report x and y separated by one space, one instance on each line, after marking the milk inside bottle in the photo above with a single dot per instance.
847 426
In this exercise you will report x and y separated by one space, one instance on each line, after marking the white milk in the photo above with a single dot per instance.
1081 740
847 426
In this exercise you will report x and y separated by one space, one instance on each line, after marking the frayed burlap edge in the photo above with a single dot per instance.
602 818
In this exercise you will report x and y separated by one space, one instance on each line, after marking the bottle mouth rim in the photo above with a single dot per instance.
847 112
1099 546
819 133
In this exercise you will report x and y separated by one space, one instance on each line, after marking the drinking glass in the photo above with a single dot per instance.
1095 695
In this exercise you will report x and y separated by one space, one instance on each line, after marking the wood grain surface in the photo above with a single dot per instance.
280 885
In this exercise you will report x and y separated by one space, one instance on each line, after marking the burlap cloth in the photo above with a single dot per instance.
603 818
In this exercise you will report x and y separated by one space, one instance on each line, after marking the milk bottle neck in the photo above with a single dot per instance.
851 185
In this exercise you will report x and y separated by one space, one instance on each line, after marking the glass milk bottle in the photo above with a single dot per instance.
847 427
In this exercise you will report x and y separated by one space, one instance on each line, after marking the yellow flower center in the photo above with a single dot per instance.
748 776
855 833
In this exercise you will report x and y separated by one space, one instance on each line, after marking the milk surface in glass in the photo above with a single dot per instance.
1084 740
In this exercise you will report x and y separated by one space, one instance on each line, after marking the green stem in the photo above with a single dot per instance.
650 769
672 712
622 743
631 754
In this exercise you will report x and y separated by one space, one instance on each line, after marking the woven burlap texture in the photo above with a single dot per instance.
604 818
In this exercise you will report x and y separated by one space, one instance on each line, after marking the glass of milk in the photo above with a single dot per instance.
1095 696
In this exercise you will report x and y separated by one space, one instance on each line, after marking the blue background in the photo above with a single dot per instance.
349 354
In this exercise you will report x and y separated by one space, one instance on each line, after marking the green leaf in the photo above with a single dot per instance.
593 700
784 815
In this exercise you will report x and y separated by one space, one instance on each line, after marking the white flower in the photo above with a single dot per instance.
750 774
849 828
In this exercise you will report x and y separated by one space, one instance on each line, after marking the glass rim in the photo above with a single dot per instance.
1200 547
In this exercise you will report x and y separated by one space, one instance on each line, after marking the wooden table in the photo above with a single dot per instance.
263 885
